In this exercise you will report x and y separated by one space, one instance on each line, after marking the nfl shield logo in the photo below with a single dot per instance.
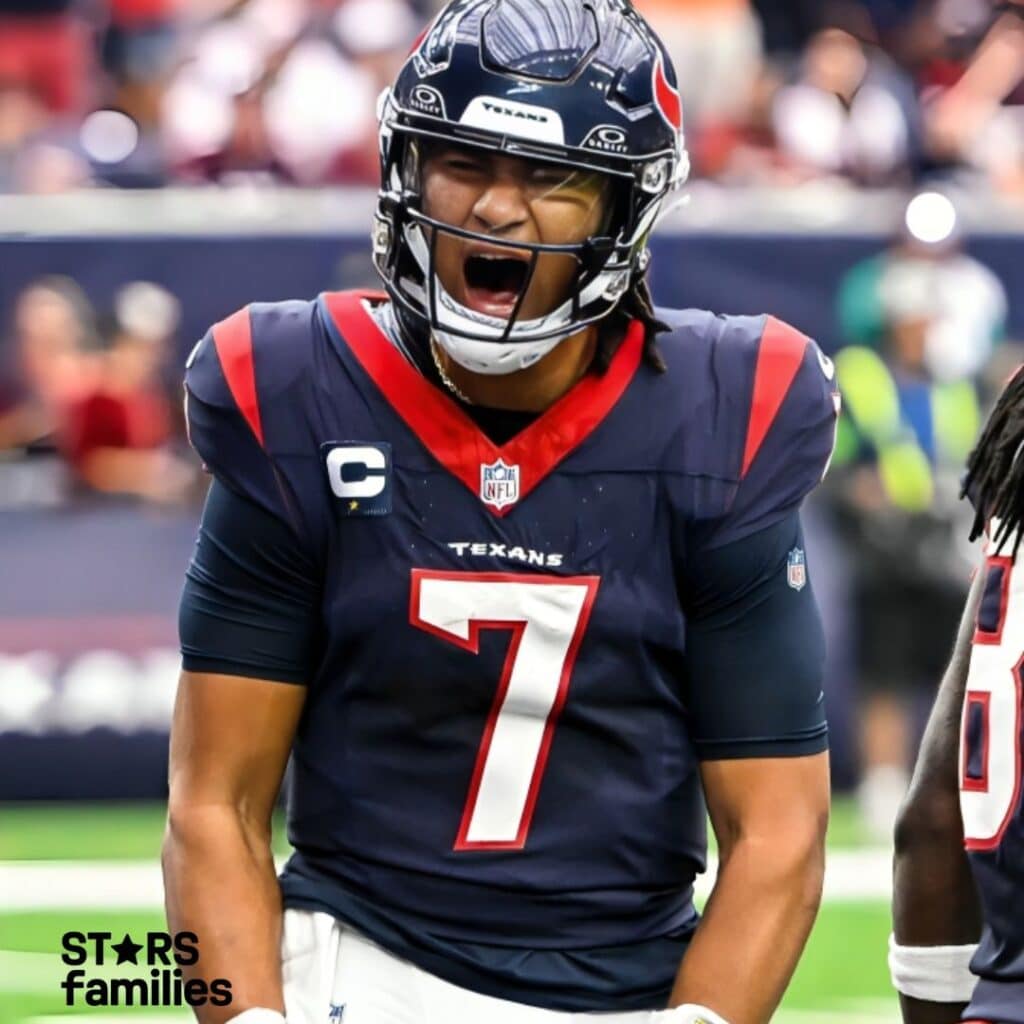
796 569
499 484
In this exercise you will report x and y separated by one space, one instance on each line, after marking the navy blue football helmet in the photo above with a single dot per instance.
580 83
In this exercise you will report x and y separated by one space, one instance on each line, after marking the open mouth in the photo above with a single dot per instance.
495 282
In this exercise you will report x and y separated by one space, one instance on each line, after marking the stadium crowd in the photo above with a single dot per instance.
143 93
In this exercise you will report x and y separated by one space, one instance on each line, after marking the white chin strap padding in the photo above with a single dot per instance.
494 358
527 342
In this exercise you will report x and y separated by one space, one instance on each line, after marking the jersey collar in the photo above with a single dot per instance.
449 434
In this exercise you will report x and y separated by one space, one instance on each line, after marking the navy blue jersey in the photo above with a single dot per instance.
520 654
990 790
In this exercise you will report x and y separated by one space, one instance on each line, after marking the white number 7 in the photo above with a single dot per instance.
547 616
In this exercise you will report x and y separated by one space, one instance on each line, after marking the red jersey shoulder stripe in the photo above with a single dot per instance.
778 360
233 340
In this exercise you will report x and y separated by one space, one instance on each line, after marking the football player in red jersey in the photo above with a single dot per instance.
511 565
957 952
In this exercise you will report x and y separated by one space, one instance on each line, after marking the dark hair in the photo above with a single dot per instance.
995 474
636 304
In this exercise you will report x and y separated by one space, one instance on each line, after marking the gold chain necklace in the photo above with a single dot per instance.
445 379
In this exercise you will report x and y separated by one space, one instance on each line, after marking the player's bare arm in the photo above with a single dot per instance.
770 817
229 746
934 900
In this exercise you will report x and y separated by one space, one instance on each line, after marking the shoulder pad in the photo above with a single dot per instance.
252 355
759 412
240 383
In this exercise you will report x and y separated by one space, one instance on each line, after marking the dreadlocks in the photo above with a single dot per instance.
995 473
636 304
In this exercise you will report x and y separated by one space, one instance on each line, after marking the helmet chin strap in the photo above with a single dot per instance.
492 358
511 350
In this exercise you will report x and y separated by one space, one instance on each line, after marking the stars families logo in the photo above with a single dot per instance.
155 977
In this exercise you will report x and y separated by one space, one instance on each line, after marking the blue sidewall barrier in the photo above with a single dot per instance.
793 277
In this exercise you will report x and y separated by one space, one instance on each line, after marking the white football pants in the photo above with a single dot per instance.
335 975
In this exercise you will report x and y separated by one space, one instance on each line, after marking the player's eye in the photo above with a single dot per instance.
575 186
550 177
464 164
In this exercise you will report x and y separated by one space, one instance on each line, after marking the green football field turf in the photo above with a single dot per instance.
842 978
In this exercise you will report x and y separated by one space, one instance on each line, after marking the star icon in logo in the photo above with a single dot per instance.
353 506
127 951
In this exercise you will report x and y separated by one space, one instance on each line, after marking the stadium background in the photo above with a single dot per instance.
859 171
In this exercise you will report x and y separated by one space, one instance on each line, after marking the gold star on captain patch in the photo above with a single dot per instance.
353 506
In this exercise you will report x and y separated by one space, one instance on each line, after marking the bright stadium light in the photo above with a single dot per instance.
108 136
931 218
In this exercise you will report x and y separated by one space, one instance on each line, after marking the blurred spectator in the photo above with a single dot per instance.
117 433
37 154
212 117
846 113
45 46
716 47
967 304
902 442
787 27
975 114
272 91
377 54
298 104
52 368
743 150
139 50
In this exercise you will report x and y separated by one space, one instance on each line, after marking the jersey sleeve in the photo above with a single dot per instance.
755 648
250 603
249 606
225 422
790 433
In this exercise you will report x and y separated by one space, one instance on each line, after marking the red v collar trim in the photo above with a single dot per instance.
445 429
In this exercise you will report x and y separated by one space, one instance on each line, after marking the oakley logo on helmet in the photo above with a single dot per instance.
426 100
508 117
608 139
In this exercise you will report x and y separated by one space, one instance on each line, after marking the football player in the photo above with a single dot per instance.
511 565
957 952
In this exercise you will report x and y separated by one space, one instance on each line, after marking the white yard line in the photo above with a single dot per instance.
850 876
